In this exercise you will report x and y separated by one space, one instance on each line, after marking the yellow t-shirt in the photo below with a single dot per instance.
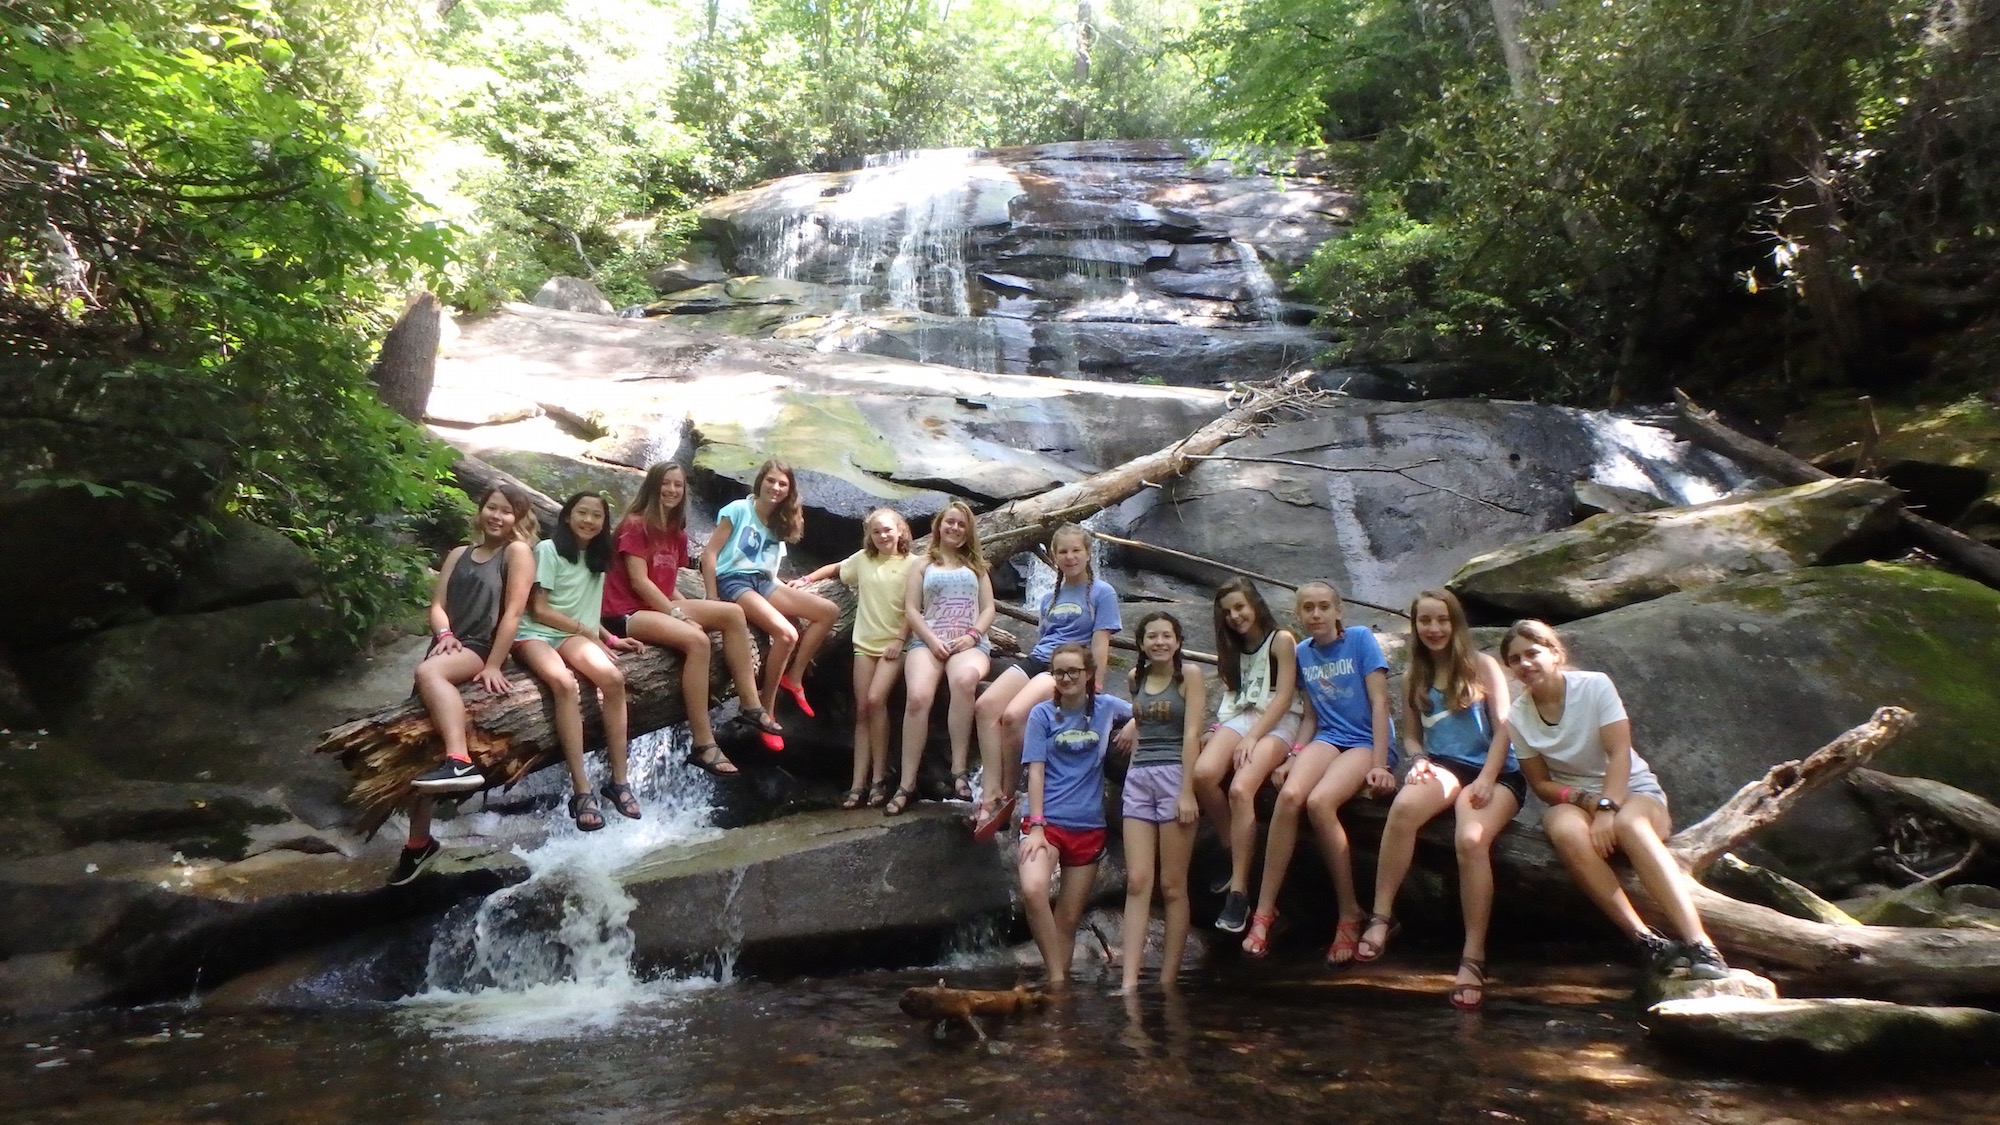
878 597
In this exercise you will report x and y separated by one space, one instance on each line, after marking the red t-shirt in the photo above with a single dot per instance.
664 552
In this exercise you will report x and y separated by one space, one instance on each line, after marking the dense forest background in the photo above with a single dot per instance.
210 209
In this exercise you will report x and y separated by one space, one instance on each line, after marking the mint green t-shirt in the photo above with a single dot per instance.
572 588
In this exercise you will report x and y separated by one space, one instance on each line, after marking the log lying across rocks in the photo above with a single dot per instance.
513 733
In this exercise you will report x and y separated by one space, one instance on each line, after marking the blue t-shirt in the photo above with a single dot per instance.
1462 736
1072 754
751 548
1335 682
1072 614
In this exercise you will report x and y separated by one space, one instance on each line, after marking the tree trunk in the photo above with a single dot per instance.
403 373
1507 27
476 478
1967 812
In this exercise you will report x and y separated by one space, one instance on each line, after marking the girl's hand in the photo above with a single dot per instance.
446 645
799 583
1126 738
492 679
1480 793
895 650
940 650
1420 770
1240 756
1604 833
1380 781
1186 810
1033 844
622 644
958 644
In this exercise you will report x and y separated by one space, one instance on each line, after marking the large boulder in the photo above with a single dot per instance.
1386 499
1825 1035
572 294
246 563
1725 680
1947 457
1613 560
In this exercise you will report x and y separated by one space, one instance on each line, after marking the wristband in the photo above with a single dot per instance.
443 633
1035 821
1562 798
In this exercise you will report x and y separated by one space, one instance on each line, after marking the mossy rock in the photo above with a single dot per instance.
1609 561
1725 681
558 476
1818 1035
1920 447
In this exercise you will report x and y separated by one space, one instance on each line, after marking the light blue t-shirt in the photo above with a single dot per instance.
751 548
1462 736
1335 682
1072 753
1072 614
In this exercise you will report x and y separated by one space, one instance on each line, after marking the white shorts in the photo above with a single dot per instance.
1287 728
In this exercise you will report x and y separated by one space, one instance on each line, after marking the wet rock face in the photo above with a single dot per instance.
1610 561
1821 1035
1388 499
1113 260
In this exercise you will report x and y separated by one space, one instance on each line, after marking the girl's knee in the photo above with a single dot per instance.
1241 791
564 684
1292 800
1173 889
1472 839
785 634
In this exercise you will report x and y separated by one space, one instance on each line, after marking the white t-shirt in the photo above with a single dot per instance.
1573 748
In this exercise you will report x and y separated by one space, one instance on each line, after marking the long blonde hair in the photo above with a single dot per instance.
1460 665
970 555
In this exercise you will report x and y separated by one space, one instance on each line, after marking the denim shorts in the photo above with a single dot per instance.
730 587
1152 793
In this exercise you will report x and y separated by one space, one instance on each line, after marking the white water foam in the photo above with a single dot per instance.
1636 454
551 956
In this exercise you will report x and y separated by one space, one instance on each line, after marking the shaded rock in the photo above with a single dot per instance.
1473 476
1589 498
698 266
1920 905
1722 681
573 294
1614 560
1947 457
17 708
196 819
247 563
1975 896
817 889
1819 1035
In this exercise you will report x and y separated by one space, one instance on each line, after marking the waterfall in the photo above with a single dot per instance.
1645 455
551 956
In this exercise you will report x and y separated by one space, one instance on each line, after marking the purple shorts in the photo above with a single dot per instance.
1153 793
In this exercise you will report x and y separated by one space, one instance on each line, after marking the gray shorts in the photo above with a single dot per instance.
729 587
1152 793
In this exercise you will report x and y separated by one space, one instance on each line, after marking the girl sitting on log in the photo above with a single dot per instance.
1343 746
1257 725
563 634
740 565
475 611
876 572
1457 697
1064 755
947 606
1575 744
1082 609
642 601
1159 810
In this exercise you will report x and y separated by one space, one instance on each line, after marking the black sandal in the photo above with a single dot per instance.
709 759
852 798
583 806
761 719
899 802
621 798
961 785
878 794
1468 996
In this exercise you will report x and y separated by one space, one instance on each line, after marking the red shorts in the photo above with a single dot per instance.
1075 847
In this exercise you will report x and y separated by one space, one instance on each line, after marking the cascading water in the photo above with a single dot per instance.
552 955
1639 454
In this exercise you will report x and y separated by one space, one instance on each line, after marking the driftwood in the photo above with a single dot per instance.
1969 555
941 1003
1968 812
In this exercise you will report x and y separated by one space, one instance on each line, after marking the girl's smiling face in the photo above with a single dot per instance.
886 534
496 516
587 518
1159 641
774 488
1072 679
1072 554
1238 614
673 488
1533 663
1432 621
953 529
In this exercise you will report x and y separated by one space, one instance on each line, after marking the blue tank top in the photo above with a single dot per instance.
1462 736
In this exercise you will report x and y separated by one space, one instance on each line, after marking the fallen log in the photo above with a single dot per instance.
476 478
1968 812
1969 555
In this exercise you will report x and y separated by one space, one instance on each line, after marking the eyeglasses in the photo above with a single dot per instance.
1065 673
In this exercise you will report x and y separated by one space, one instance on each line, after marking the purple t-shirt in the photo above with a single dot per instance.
1073 614
1072 753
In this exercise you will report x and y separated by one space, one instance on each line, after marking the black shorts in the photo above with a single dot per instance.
616 625
1467 773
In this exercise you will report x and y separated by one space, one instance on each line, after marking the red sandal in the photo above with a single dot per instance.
798 696
1258 942
1346 940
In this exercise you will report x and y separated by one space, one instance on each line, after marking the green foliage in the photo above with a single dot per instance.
200 254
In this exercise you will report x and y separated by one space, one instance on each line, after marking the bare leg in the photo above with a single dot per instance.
887 672
1014 727
865 713
1211 769
548 667
1308 766
1568 829
1641 824
1037 873
986 715
765 618
1265 757
420 819
596 665
738 656
1074 896
1416 803
691 641
1141 840
437 679
921 672
963 671
1477 829
1176 848
1341 781
819 615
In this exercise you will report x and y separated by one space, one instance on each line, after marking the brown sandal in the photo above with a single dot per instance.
1469 996
899 802
621 798
852 798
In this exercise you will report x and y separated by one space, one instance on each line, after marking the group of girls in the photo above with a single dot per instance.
1313 716
565 606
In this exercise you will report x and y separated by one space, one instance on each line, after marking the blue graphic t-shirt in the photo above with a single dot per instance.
751 548
1072 753
1335 682
1071 614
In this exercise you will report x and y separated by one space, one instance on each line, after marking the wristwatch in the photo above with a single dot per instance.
1606 804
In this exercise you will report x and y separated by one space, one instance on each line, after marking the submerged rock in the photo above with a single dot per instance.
1820 1034
1614 560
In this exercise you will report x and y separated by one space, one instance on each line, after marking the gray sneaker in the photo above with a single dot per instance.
1705 961
450 776
1660 954
1235 913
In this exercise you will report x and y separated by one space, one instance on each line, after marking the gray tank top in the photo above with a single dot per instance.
472 599
951 599
1162 724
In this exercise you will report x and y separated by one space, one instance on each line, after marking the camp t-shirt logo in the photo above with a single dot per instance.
1156 711
1076 741
1326 680
1063 611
